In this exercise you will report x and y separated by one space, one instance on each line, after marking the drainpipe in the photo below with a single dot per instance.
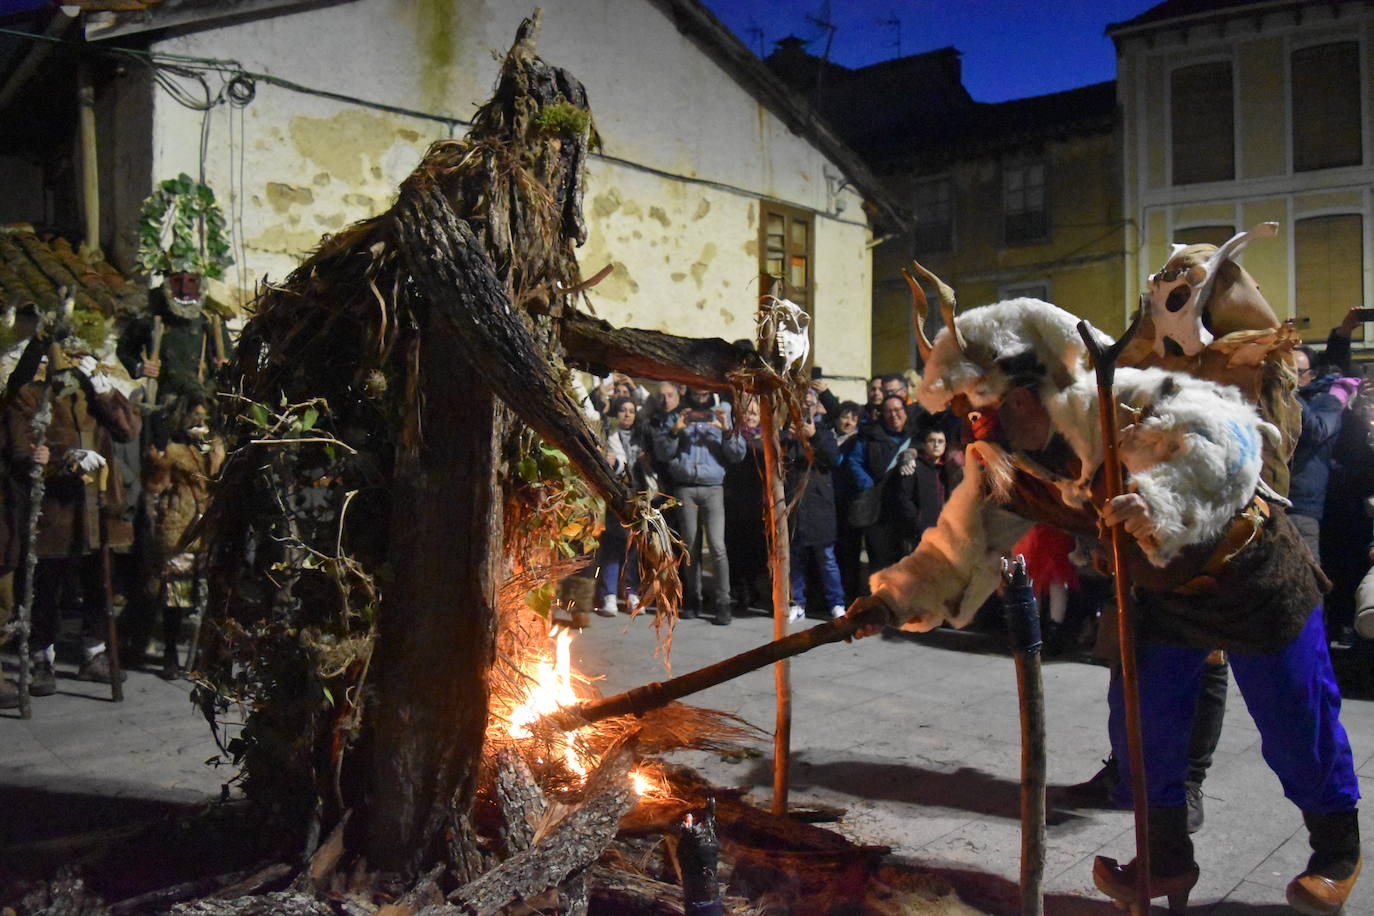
90 171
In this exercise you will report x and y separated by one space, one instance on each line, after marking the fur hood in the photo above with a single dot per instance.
1007 343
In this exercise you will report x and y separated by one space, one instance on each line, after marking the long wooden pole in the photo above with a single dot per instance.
1105 363
1023 628
779 564
640 700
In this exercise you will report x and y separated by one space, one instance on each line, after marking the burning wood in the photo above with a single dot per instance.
641 700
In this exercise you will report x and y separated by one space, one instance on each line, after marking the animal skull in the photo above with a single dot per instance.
793 341
1178 295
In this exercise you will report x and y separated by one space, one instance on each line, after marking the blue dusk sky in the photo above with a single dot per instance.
1010 48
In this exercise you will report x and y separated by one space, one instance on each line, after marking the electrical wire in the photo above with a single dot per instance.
239 88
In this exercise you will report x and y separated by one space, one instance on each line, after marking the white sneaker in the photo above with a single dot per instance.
608 608
631 603
795 612
837 612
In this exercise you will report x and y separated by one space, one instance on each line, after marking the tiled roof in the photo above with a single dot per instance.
33 268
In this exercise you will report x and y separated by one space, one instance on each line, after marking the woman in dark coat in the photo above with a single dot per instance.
745 540
810 490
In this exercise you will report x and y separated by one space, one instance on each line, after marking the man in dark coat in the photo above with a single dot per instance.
82 500
811 533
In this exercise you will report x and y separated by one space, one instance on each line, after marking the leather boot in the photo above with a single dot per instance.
1172 869
1334 867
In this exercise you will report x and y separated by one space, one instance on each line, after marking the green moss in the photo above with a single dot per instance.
564 118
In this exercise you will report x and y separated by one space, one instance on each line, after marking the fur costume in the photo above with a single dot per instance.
1192 448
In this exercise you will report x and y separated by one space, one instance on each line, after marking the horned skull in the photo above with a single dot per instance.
1177 295
791 333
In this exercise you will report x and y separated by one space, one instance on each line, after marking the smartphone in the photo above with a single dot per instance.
1365 314
700 416
817 373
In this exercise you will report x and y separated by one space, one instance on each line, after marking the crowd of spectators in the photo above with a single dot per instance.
702 456
864 481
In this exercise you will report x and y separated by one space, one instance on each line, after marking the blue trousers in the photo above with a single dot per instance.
1292 696
824 558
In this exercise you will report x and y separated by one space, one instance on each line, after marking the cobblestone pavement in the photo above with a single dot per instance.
919 739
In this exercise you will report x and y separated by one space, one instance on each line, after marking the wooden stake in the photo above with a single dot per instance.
1023 629
1104 360
775 514
90 172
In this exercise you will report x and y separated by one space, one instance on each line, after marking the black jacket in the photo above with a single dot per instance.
812 523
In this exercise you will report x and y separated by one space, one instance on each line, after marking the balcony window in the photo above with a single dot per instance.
1326 106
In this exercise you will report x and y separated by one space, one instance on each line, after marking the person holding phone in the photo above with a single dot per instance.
696 443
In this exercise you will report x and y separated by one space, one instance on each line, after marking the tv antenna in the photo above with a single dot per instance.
893 22
822 21
755 33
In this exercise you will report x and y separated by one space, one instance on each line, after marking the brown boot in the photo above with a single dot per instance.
1334 867
1173 871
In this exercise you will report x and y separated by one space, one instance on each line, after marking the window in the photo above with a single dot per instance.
1026 218
1326 106
1329 264
1203 122
1204 235
787 252
934 211
1039 291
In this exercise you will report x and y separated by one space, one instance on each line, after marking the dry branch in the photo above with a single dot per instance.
700 362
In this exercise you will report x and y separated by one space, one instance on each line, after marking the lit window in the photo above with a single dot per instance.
787 253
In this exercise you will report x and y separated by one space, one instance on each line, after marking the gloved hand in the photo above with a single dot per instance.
906 462
100 382
83 459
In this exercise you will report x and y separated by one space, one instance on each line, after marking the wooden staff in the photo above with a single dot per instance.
107 582
39 425
639 700
1104 362
154 352
775 513
1023 630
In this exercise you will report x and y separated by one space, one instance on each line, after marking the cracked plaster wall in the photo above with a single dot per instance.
685 253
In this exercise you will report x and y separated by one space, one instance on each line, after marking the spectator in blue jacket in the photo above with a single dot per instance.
695 444
1311 464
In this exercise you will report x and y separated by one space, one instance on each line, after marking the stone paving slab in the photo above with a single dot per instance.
919 740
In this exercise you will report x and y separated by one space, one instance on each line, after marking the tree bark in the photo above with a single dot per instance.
700 362
437 628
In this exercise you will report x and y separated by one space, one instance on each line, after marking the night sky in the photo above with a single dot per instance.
1011 48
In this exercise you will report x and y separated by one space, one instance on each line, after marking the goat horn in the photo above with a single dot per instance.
918 317
948 306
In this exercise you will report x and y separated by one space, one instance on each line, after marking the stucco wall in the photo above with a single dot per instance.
679 220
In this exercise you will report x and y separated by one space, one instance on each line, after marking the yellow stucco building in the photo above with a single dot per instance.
1253 111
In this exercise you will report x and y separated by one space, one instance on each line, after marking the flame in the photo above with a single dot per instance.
550 691
641 783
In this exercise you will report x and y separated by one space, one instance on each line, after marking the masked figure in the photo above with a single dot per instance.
1213 560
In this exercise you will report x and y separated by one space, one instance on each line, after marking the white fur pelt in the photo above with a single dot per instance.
1001 331
1193 453
957 564
1191 449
